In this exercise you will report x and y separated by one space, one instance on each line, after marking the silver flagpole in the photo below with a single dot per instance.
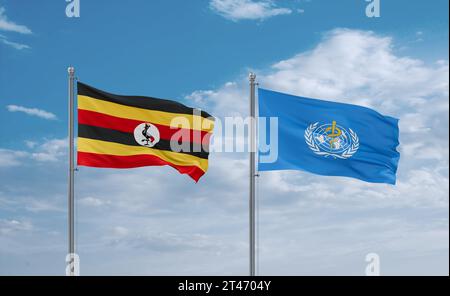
71 202
252 78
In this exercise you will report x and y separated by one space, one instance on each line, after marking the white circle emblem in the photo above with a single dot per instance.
146 134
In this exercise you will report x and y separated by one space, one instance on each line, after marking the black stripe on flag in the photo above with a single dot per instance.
110 135
139 101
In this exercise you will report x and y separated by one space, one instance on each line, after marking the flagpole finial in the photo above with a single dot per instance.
71 70
252 77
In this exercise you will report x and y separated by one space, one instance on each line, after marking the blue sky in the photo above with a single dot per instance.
199 52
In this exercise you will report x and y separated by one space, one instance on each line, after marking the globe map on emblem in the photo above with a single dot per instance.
332 138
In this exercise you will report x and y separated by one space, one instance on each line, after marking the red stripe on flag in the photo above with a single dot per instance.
128 126
133 161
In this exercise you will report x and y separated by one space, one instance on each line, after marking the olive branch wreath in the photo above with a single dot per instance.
315 148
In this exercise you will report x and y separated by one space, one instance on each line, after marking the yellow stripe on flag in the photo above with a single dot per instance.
110 148
144 115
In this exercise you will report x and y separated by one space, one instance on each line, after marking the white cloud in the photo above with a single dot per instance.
236 10
160 242
32 111
30 144
419 36
51 150
8 25
43 205
15 45
11 158
12 226
90 201
228 100
366 72
119 232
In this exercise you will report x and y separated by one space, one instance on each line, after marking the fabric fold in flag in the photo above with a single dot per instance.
329 138
117 131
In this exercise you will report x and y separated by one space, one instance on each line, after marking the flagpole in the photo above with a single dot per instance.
71 201
252 203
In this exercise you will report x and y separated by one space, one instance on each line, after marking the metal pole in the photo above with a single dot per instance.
71 202
252 78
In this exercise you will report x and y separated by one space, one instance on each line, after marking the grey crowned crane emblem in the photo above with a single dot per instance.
146 134
148 137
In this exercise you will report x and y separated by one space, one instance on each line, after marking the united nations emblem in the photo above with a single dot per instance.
146 134
331 140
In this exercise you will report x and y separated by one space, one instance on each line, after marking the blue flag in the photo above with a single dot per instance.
328 138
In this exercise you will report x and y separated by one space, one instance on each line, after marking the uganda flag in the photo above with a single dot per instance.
133 131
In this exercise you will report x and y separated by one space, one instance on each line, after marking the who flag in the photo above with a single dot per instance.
330 139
